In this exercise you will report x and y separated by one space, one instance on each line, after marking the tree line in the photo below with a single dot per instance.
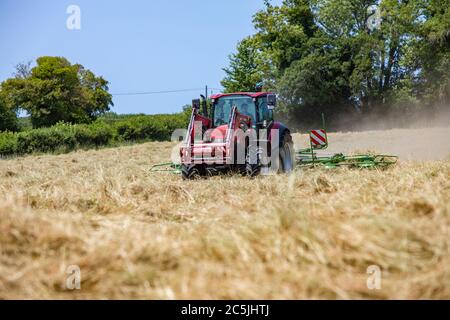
68 108
108 130
347 57
343 58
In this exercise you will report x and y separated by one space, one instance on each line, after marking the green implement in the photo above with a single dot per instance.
167 167
306 158
318 140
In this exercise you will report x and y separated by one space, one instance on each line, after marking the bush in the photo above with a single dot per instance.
96 134
106 131
64 137
8 143
57 138
157 127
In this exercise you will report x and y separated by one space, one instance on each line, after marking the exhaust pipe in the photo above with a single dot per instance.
204 106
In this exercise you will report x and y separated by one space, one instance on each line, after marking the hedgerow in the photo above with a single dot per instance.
107 131
8 143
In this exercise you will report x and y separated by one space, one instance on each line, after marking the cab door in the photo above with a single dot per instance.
265 114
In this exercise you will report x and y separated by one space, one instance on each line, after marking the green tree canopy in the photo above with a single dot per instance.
244 73
280 39
341 56
432 52
8 118
56 90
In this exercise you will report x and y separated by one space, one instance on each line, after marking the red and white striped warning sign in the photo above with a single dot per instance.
318 137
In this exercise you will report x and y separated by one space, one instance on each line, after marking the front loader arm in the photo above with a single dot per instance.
237 121
197 121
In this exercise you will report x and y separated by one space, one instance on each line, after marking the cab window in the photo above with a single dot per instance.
263 111
223 106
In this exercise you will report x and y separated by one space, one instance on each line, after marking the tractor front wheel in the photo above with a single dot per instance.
190 172
252 165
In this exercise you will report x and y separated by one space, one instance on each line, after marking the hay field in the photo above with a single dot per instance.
135 234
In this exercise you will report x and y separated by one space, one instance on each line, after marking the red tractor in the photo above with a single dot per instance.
237 133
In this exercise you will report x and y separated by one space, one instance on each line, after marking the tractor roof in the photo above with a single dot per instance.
250 94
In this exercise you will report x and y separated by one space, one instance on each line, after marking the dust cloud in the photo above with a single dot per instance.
409 144
416 136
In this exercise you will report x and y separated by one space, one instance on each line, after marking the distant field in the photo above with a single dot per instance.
136 234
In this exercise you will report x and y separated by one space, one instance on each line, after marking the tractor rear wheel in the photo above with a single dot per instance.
252 165
287 156
190 172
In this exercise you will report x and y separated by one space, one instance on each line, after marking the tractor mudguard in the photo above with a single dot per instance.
283 130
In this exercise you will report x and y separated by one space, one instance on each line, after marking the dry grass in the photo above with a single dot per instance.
140 235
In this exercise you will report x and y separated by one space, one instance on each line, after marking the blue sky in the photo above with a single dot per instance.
137 45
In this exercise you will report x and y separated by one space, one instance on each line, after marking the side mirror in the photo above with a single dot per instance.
196 104
271 101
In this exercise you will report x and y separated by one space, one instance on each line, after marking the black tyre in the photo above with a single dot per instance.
252 165
211 172
190 172
287 155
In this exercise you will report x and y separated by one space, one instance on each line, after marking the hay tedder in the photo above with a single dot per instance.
238 133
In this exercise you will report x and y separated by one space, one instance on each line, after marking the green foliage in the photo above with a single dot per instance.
24 123
243 74
109 130
63 138
8 143
317 90
433 51
158 127
281 36
8 118
283 31
55 90
328 55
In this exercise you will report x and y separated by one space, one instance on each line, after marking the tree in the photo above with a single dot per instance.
340 56
377 54
317 83
55 90
8 118
23 70
244 73
432 53
281 38
283 32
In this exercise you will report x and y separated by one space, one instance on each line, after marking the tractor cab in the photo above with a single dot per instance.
258 107
252 111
